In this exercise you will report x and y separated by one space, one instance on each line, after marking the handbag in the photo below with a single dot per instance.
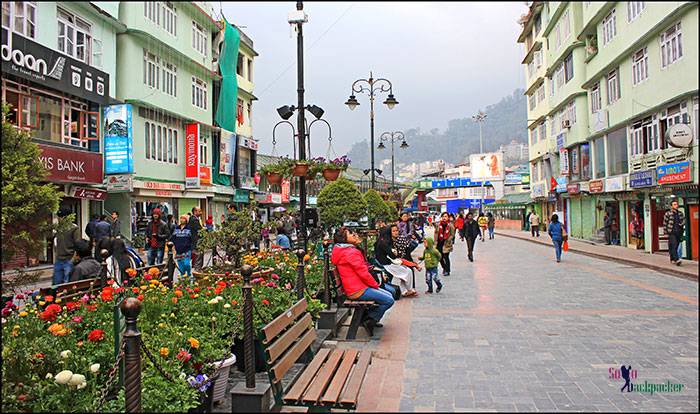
565 246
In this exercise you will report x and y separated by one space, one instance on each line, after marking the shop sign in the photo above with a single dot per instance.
192 156
573 188
614 184
160 193
574 161
247 183
269 198
641 179
560 141
513 179
680 135
88 193
583 186
285 190
674 173
119 147
120 183
157 185
24 58
561 184
595 186
537 191
564 161
241 196
204 175
71 166
227 153
249 143
552 197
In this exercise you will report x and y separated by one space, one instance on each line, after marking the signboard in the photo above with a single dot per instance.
120 183
564 161
525 178
573 188
192 156
680 135
204 175
247 183
561 184
595 186
456 182
513 179
641 179
227 153
285 190
88 193
26 59
157 185
537 191
560 141
268 198
614 184
241 196
71 166
574 161
119 150
246 142
487 166
674 173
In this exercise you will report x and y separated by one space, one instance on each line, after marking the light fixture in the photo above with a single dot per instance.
378 171
315 111
286 111
391 102
366 171
352 102
381 146
404 144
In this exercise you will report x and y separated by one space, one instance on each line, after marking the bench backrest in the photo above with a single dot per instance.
339 291
72 289
284 340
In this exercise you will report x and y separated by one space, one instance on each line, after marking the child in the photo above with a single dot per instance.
431 256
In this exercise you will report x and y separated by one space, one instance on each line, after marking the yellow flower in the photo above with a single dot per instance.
164 352
144 287
161 325
58 300
23 313
42 303
193 343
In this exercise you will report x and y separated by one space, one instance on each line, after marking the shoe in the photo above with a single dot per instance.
678 262
439 288
429 291
378 325
558 260
369 324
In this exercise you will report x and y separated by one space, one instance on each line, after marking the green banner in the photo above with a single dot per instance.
228 97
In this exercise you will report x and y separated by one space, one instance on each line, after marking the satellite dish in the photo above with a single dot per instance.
680 135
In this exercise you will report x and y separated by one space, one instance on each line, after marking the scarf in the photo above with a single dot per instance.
444 231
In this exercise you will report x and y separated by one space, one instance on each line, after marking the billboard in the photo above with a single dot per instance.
119 140
674 173
488 166
71 166
192 156
227 152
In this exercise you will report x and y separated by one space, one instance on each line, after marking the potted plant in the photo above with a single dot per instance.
273 172
333 168
300 168
315 168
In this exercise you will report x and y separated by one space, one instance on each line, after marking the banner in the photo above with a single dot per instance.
674 173
228 97
285 190
71 166
119 147
192 156
227 153
487 166
564 161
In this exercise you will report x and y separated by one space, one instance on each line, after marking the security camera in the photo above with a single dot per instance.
297 16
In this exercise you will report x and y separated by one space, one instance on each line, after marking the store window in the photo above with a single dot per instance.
617 151
244 163
586 161
599 148
19 17
74 36
636 224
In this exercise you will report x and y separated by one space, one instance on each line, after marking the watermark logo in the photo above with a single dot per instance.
627 374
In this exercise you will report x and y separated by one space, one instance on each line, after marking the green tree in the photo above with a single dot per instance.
377 209
340 201
28 202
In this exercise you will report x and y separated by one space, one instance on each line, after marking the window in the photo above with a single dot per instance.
533 135
617 152
250 70
533 169
538 24
203 149
161 142
97 53
540 93
551 86
151 70
170 79
609 27
557 36
570 112
533 103
644 136
671 45
569 67
543 131
163 14
561 79
147 135
74 38
585 154
239 64
199 39
613 89
595 98
199 93
599 151
566 25
675 114
537 58
640 66
530 68
250 113
20 17
633 9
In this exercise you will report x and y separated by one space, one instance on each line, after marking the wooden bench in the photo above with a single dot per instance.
332 379
71 290
359 307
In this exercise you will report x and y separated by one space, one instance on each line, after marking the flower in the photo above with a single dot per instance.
81 385
76 379
307 258
23 313
66 354
193 343
63 377
49 375
96 335
164 352
77 319
265 302
227 305
183 356
287 285
58 329
48 298
140 297
275 276
72 306
94 368
174 300
131 272
234 302
178 293
107 294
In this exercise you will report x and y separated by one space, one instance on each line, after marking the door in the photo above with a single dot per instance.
659 238
693 218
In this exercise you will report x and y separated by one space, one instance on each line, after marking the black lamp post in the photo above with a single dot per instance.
392 137
372 88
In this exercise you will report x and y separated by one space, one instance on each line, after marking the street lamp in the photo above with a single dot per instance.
480 118
392 137
372 87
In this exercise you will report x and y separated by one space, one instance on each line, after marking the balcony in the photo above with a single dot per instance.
657 158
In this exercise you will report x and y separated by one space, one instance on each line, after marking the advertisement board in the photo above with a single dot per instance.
192 156
227 152
595 186
88 193
564 161
674 173
119 146
560 141
120 183
487 166
285 190
561 184
614 184
204 175
71 166
641 179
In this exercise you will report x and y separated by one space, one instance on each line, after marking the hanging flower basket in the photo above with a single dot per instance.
274 178
300 169
311 175
331 174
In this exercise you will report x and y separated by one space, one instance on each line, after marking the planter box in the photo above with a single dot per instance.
209 279
222 370
274 178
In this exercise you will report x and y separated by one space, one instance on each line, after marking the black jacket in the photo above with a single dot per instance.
470 230
195 226
86 268
162 234
383 251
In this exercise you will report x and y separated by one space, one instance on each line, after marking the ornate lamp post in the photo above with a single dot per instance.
372 87
392 137
480 118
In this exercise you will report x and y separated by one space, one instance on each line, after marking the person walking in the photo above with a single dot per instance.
85 267
459 223
491 224
431 257
607 228
483 224
182 243
195 225
90 229
445 242
102 229
674 226
282 239
534 220
156 234
470 232
115 229
65 249
556 232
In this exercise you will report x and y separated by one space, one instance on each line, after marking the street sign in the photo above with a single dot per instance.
641 179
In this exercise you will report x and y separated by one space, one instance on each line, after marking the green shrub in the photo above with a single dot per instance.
340 201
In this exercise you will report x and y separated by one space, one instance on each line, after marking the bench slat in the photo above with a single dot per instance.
340 377
281 322
359 303
313 393
358 374
289 358
279 345
309 373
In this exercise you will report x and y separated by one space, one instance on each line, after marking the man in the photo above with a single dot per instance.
86 267
607 228
674 226
182 242
156 235
534 223
231 212
65 249
90 228
116 227
195 225
102 230
470 232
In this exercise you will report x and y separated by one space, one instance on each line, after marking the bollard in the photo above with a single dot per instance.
301 280
131 307
326 275
103 273
248 351
171 263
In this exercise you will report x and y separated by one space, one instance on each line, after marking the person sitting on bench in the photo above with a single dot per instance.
358 283
86 267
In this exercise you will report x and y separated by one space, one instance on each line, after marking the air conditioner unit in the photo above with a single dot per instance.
565 124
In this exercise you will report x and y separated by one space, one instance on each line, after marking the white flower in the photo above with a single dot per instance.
182 375
49 375
76 379
94 368
81 385
213 318
213 302
218 298
227 305
66 354
63 377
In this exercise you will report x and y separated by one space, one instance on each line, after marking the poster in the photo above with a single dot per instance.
487 166
192 156
227 152
564 161
119 140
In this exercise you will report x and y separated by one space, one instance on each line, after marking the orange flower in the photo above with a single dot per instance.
48 298
135 289
164 352
131 272
307 258
58 329
178 293
193 343
154 271
174 300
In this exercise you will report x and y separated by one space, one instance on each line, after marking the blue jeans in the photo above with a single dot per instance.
155 256
389 289
557 248
430 275
491 229
61 271
383 299
184 263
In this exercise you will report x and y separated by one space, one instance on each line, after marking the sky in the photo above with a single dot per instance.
445 60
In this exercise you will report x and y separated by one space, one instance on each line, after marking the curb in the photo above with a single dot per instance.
682 275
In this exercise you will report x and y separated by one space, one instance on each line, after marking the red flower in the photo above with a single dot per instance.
197 290
110 282
198 366
39 355
96 335
218 290
44 316
147 276
191 296
91 308
48 298
183 356
54 308
274 276
173 299
135 289
71 306
107 294
265 302
140 297
19 296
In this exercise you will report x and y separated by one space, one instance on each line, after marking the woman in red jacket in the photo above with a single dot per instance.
358 283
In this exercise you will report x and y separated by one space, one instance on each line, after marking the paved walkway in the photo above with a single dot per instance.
516 331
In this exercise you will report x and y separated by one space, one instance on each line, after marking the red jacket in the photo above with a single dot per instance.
352 268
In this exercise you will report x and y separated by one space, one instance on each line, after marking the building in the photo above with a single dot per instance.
59 63
514 152
456 191
606 81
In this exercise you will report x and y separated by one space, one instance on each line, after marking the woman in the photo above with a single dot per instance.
119 261
182 242
459 222
282 239
556 232
406 232
358 283
445 241
483 224
387 255
491 224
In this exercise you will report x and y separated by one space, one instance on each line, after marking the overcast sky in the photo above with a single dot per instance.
445 60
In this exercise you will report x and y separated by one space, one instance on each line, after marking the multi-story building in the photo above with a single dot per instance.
458 192
59 63
514 152
618 77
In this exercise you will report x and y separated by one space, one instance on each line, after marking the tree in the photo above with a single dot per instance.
377 209
28 203
340 201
